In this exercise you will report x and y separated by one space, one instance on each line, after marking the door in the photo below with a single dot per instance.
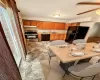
12 5
8 67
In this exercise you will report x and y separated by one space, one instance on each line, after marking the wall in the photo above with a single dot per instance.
86 19
95 30
44 19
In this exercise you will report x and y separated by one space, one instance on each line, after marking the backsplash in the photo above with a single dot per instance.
53 31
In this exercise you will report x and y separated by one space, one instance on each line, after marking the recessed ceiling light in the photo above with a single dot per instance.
56 15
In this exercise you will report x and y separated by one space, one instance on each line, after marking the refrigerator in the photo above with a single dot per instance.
76 32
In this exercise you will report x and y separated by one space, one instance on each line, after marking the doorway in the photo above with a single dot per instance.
8 67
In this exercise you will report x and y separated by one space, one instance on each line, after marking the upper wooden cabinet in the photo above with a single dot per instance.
45 25
33 23
59 26
67 25
27 22
71 24
48 25
75 24
40 24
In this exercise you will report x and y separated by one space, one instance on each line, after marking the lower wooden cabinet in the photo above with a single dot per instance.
54 37
57 37
39 36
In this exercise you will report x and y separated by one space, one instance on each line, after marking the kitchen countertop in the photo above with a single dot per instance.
52 31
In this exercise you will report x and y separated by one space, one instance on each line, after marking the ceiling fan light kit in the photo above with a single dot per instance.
90 3
98 11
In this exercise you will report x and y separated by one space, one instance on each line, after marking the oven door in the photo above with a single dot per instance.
31 36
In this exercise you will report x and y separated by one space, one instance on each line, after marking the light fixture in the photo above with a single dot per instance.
98 11
56 15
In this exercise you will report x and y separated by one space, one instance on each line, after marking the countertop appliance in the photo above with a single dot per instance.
45 37
31 34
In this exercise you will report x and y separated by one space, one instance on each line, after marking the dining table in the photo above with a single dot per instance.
63 53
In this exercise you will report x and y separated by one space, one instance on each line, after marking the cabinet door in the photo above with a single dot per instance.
33 23
56 37
52 37
48 25
66 26
39 36
75 24
40 24
26 22
59 26
63 36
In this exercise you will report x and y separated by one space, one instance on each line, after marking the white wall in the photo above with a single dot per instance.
45 19
85 19
95 30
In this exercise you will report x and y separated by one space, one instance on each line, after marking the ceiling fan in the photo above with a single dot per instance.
88 3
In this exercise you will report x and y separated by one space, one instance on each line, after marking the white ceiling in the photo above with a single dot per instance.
47 8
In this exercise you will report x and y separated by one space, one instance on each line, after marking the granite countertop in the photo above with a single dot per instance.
52 31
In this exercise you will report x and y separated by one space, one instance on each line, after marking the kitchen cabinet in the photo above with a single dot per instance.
48 25
52 36
26 22
59 26
45 25
40 24
71 25
39 36
75 24
66 26
33 23
57 36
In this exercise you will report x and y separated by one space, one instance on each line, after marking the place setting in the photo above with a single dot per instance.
77 50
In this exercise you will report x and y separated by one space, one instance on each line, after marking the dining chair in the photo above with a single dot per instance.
55 43
77 41
85 70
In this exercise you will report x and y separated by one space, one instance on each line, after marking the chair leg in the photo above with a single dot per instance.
64 74
93 77
49 59
81 78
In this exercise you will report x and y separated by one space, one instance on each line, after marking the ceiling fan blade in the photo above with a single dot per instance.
88 11
88 3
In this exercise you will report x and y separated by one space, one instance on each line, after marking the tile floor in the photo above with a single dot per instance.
36 66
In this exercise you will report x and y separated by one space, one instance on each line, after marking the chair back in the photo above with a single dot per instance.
58 42
90 71
77 41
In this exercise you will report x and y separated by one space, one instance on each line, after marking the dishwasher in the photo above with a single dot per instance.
45 37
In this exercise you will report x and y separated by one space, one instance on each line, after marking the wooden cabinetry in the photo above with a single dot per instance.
39 36
48 25
26 22
33 23
71 24
40 24
45 25
59 26
67 25
75 24
57 37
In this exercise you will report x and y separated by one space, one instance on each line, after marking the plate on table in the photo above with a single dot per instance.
77 54
62 46
96 50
